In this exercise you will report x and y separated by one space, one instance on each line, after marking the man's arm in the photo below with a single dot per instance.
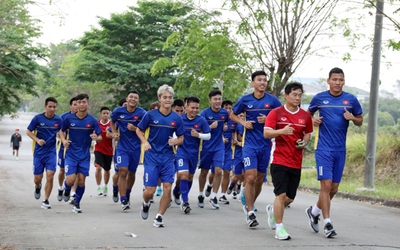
146 144
31 135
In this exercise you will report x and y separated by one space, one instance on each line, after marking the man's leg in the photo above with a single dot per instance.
49 184
250 178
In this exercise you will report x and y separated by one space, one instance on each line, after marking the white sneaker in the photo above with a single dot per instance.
271 217
281 234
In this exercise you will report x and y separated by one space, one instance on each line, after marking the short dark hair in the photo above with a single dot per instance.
133 92
50 99
190 99
227 102
104 108
154 105
82 96
121 102
72 100
258 73
178 102
214 92
335 70
293 86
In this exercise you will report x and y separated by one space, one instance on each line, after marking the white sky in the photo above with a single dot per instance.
79 15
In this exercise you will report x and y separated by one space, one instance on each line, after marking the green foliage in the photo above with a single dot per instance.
18 54
122 52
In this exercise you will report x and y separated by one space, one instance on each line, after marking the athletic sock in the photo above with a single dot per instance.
201 193
66 187
115 188
79 193
327 220
315 210
184 190
213 195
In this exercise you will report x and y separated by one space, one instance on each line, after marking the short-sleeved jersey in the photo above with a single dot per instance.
105 145
332 132
62 116
228 133
191 145
238 149
253 107
16 139
161 128
46 129
283 150
128 140
215 143
79 131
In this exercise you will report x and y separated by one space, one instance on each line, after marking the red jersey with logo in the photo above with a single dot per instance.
105 146
283 148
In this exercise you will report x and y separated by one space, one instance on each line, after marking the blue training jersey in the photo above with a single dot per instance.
191 145
253 107
238 149
128 140
46 129
79 135
332 132
161 128
228 134
215 143
63 115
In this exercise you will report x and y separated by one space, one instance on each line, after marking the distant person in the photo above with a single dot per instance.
336 108
15 143
289 127
43 130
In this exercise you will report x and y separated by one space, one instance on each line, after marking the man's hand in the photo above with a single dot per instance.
41 142
347 115
288 130
93 136
317 121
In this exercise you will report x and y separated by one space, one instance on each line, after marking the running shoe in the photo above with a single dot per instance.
186 207
66 195
281 234
46 204
157 222
238 188
159 191
105 191
243 197
99 191
312 220
214 203
72 199
329 231
223 200
37 192
77 208
271 217
124 205
230 189
234 195
177 198
201 201
208 190
145 211
60 195
251 219
115 196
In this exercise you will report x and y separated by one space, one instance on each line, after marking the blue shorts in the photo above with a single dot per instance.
44 162
238 167
186 165
152 172
228 161
61 159
127 159
74 167
211 159
256 159
330 164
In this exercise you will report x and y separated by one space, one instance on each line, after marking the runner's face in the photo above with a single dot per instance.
192 110
166 99
178 109
260 83
50 108
132 100
336 83
228 108
294 98
216 101
83 105
105 115
74 107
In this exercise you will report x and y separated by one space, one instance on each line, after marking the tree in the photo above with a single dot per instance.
18 54
280 34
122 52
207 59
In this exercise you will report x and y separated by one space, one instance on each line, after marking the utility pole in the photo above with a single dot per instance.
369 173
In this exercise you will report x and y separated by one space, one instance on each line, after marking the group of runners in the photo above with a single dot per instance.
232 144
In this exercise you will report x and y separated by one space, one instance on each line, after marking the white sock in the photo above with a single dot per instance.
213 195
315 210
327 220
201 193
278 226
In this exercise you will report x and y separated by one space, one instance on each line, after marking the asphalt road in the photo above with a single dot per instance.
102 225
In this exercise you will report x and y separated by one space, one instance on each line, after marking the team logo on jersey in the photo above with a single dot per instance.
345 102
88 125
173 123
41 124
122 116
223 117
156 122
72 124
56 125
283 119
266 105
232 125
196 126
136 117
325 102
210 117
249 106
302 121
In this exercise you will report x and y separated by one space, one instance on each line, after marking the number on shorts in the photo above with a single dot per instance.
246 161
118 159
180 162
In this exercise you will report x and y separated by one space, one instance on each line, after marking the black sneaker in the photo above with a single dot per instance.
230 189
157 222
186 207
329 231
238 188
66 195
251 219
201 201
46 204
208 190
72 199
223 200
60 195
115 196
234 195
313 220
177 198
145 211
214 203
37 192
124 205
77 208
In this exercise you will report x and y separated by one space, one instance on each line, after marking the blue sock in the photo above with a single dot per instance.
176 190
123 198
184 190
66 187
128 192
190 185
115 188
79 193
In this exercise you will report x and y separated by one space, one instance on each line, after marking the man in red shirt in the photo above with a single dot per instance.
103 153
290 129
